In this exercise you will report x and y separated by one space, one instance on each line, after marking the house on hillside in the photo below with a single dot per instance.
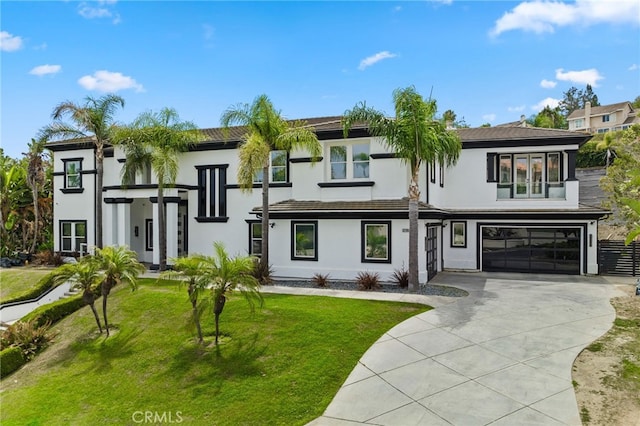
510 204
604 118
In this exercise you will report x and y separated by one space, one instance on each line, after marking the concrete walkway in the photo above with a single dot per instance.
502 356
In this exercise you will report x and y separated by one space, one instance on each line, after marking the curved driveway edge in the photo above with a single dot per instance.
501 356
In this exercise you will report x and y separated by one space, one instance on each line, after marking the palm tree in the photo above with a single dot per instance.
119 265
608 144
154 141
415 137
189 270
225 275
85 275
267 130
35 180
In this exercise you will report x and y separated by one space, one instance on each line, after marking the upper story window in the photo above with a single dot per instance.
606 118
278 167
349 161
579 123
212 193
72 177
505 169
535 175
553 167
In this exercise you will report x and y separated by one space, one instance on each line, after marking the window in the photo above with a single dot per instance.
304 240
73 236
255 238
579 123
442 175
148 234
553 167
376 242
605 118
459 234
72 176
505 169
349 161
603 130
432 171
278 165
212 193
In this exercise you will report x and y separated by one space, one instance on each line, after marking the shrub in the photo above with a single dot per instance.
10 360
368 281
29 336
401 277
48 257
262 272
54 312
320 280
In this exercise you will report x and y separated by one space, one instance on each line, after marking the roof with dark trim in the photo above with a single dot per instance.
369 205
600 110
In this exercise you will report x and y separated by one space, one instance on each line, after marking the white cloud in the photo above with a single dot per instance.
518 108
9 42
550 102
546 16
547 84
41 70
367 62
107 81
99 9
590 76
633 67
489 117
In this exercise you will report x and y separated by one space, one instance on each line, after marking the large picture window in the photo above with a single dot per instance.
376 242
349 161
304 240
73 236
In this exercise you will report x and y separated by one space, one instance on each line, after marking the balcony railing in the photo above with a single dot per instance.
531 190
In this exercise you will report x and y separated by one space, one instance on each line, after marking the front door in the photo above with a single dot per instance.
529 176
431 247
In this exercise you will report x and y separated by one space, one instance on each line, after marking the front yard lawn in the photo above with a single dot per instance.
280 365
18 280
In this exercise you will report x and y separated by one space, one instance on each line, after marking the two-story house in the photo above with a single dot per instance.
604 118
510 204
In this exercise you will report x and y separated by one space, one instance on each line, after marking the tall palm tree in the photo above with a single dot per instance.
35 180
95 120
267 130
189 270
153 141
119 265
415 137
85 275
226 275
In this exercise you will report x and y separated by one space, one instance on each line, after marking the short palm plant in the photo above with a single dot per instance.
120 265
226 275
85 275
189 271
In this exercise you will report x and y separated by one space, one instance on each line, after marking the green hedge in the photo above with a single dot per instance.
54 312
42 286
10 360
590 156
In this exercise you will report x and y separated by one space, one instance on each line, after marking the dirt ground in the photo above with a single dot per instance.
606 375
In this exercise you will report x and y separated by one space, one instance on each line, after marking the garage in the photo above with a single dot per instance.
531 249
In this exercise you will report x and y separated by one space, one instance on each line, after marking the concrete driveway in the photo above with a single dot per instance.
502 356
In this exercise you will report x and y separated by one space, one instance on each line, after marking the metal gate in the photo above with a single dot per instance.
614 258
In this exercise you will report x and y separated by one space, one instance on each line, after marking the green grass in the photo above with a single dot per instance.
280 365
15 281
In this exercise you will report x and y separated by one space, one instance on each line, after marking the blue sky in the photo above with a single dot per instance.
488 61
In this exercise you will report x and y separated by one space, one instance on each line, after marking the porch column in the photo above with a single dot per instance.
124 224
172 228
156 233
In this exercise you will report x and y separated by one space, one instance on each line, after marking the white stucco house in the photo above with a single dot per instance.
510 204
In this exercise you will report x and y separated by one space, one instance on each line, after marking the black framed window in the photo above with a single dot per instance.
212 193
72 175
432 171
458 234
148 234
278 165
375 241
255 238
304 240
73 236
441 174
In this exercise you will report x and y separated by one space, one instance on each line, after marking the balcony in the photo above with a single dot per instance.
531 190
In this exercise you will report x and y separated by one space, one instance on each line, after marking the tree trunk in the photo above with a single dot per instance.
264 258
107 285
414 196
99 178
89 298
196 316
162 229
217 310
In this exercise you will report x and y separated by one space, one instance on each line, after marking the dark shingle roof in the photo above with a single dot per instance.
394 205
513 133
